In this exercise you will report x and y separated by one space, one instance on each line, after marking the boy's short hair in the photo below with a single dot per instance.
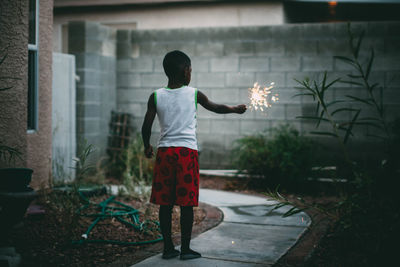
174 64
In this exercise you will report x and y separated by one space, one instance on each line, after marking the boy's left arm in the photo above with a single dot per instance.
147 124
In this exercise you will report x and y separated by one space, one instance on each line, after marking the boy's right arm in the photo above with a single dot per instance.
203 100
147 124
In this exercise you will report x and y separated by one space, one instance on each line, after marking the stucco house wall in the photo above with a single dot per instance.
35 147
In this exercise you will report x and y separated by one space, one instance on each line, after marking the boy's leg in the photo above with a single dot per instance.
165 217
186 234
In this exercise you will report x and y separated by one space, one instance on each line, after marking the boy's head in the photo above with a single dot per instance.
177 67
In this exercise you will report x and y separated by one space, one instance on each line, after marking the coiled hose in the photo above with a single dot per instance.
122 213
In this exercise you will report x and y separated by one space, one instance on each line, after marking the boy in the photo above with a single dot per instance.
176 172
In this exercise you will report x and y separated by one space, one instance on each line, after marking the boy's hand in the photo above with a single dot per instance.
149 152
240 109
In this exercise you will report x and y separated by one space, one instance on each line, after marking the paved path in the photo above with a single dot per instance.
249 235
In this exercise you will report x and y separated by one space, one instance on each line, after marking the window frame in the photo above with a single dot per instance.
33 124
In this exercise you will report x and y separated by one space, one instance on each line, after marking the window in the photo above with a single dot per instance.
33 65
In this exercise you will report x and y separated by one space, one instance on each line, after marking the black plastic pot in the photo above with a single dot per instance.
15 196
15 179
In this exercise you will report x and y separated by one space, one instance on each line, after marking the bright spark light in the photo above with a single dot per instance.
261 98
233 242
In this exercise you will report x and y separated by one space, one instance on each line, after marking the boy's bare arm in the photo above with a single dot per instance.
203 100
147 124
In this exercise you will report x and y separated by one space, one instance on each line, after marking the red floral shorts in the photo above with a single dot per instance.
176 177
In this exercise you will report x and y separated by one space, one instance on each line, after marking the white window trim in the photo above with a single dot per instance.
35 47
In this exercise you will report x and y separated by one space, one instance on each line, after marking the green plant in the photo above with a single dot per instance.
132 168
82 166
284 158
368 213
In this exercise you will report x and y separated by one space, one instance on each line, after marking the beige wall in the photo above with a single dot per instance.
13 102
39 143
178 16
35 147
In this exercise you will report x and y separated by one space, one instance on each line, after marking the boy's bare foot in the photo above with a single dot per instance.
189 254
169 254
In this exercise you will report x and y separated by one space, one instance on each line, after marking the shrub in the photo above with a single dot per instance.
283 158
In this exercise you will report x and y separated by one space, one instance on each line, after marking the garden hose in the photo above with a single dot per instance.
122 213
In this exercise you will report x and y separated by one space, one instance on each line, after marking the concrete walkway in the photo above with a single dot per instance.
249 235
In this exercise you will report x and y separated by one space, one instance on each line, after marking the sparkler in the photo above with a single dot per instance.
261 98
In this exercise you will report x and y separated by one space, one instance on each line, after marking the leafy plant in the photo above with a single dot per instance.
82 166
138 170
368 212
284 158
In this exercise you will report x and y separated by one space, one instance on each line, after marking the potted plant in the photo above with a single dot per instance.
15 193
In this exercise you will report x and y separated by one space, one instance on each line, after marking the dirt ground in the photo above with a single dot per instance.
45 240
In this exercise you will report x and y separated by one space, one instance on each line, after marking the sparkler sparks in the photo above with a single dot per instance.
261 98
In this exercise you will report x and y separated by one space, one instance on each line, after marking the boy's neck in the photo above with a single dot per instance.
175 85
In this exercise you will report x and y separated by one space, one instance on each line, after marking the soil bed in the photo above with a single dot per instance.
45 240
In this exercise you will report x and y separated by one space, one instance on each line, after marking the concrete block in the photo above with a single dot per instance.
238 48
287 95
210 79
392 79
89 78
221 64
265 78
240 79
154 80
333 47
392 46
93 46
87 93
275 112
127 79
285 63
124 50
153 49
387 63
87 61
158 65
88 110
189 48
376 43
250 127
88 126
291 78
227 96
230 141
270 47
301 47
143 64
292 111
124 65
317 63
210 142
340 65
209 49
203 126
203 113
136 109
248 64
133 95
225 127
123 36
392 28
200 64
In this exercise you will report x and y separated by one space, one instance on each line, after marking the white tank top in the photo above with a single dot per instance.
176 112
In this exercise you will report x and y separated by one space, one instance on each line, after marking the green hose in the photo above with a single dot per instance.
122 213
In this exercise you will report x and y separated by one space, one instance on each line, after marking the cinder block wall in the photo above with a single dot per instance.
94 47
227 61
